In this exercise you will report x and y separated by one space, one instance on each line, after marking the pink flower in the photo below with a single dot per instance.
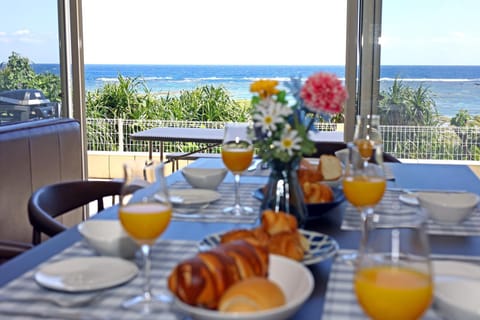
323 92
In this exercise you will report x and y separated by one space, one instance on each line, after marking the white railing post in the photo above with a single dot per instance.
121 146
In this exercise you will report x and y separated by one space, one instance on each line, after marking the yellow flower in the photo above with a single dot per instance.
264 88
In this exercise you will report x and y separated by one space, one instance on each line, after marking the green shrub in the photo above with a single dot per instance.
17 73
131 99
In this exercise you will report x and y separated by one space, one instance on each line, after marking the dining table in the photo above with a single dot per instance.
332 296
210 136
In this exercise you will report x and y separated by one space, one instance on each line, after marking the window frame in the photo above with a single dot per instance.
72 75
362 66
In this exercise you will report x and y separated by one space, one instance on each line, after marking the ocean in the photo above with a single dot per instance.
452 87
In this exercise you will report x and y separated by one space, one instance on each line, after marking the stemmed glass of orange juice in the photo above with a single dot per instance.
145 212
363 186
368 138
237 154
393 276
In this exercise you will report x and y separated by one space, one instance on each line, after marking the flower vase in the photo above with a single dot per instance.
283 191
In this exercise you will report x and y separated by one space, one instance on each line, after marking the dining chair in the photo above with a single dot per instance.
10 249
330 147
52 201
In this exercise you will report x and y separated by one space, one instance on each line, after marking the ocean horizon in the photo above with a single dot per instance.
452 87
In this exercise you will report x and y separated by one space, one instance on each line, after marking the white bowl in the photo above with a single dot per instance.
204 178
295 280
458 299
448 207
457 288
108 238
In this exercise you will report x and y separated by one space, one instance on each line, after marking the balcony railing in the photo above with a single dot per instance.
403 142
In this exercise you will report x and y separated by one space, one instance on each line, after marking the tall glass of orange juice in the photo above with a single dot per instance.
145 212
237 154
393 277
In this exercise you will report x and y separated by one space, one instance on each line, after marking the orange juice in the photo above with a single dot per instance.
362 191
389 292
365 147
145 222
237 160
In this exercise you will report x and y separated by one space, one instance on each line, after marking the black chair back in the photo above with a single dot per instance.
51 201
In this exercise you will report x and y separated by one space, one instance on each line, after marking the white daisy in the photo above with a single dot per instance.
290 142
269 115
281 110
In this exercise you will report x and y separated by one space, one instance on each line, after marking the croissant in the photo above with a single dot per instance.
202 280
276 222
259 235
287 244
317 193
236 234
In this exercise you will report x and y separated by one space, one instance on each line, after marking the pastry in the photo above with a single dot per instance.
330 167
276 222
317 192
287 244
252 295
278 232
202 280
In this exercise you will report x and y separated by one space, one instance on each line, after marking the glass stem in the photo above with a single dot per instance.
237 190
366 215
147 293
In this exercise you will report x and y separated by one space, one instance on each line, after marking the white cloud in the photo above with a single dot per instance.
21 32
458 35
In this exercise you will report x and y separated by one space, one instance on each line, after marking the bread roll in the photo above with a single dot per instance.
330 167
251 295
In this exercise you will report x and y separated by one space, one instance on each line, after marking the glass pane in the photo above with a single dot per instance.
431 45
181 45
430 77
29 61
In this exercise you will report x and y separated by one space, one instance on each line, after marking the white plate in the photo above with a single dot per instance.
85 273
193 196
295 280
409 198
321 248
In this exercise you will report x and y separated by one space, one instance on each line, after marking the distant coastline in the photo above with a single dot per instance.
452 87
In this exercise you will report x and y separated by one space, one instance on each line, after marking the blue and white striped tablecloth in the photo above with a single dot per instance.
391 203
214 211
340 300
165 255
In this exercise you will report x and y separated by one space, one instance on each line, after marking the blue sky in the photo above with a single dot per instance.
242 32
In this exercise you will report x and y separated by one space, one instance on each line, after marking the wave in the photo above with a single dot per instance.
108 79
430 80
